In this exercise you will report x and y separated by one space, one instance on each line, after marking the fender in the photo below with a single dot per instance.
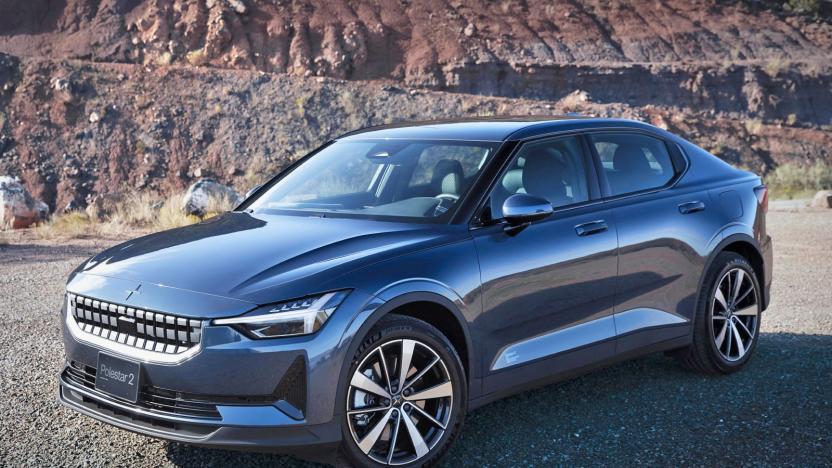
726 240
377 308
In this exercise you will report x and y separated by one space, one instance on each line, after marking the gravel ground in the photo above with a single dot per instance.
649 411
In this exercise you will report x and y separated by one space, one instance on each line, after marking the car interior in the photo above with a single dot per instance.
633 162
410 179
553 170
426 179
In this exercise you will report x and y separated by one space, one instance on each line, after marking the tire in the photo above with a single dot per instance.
398 336
707 353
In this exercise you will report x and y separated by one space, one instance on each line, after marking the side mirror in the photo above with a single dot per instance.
251 192
521 209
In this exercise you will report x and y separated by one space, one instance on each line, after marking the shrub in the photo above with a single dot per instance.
774 66
137 214
807 7
793 180
196 58
170 215
68 225
754 126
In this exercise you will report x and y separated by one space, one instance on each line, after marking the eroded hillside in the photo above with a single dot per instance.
101 95
425 42
75 129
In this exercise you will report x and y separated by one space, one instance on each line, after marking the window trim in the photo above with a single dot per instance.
595 193
678 160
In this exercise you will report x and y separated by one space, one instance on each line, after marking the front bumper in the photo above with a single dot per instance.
263 395
243 427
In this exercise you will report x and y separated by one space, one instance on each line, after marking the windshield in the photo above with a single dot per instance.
418 179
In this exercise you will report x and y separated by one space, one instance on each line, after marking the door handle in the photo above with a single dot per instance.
691 207
592 227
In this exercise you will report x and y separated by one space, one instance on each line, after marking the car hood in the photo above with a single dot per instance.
263 258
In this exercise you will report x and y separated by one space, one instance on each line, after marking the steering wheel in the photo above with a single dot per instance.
442 206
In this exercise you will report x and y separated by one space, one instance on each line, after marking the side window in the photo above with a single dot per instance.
633 161
551 169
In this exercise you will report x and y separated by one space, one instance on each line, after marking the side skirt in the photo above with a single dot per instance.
574 350
528 377
628 322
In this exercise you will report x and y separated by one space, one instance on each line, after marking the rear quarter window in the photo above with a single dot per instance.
633 162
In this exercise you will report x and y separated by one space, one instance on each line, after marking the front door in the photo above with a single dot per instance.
548 290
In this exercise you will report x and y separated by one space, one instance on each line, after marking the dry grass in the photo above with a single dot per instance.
806 7
754 126
217 206
774 67
793 180
196 58
69 225
170 215
138 213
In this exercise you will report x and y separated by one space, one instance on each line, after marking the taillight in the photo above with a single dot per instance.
762 197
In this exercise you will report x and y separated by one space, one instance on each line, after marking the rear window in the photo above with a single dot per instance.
633 162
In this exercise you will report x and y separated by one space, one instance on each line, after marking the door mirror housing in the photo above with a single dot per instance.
522 208
252 190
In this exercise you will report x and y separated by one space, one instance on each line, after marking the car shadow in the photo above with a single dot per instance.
646 411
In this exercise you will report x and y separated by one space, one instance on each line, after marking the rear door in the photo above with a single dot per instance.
663 228
547 290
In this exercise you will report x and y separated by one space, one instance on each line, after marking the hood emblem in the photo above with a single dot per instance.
131 292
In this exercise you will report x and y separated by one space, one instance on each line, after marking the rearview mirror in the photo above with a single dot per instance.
522 208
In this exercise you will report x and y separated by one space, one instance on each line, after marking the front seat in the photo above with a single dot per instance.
543 176
511 183
447 177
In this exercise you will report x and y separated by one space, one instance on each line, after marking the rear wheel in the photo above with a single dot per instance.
727 322
406 395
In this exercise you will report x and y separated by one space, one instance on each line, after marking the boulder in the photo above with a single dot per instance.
208 195
104 205
822 199
17 208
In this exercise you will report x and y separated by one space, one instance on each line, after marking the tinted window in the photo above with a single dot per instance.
632 161
551 169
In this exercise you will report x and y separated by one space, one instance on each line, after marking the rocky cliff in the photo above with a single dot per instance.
150 94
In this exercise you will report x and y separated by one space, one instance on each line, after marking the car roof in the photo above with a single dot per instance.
494 129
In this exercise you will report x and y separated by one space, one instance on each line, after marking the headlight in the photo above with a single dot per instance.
298 317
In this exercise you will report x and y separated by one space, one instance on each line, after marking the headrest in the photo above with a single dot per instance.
447 177
629 157
513 181
543 177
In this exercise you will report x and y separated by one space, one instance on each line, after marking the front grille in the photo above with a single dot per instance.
142 329
150 397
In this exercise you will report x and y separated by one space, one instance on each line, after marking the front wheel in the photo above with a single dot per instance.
406 396
727 323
